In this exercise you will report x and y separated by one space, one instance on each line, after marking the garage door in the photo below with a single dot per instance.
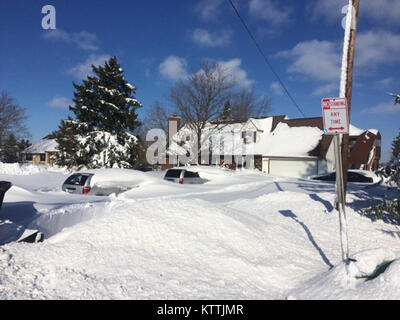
293 168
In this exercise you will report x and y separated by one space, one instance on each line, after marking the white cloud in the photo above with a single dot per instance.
321 60
328 10
84 40
374 48
383 108
318 60
211 39
276 88
82 70
233 68
209 10
269 10
327 89
386 83
59 102
383 12
173 68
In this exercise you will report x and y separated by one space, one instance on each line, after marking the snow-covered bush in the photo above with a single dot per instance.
391 174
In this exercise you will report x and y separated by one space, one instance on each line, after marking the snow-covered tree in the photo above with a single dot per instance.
396 147
389 208
105 115
391 173
396 96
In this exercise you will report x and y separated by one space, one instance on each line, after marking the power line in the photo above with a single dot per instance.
265 58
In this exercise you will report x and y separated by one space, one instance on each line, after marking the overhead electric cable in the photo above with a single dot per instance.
265 58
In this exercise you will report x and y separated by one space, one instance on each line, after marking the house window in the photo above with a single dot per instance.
29 157
42 157
249 136
352 142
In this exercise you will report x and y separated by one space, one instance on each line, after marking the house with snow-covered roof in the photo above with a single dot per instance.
365 148
275 145
41 151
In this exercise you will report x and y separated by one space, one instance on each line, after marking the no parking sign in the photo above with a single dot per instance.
335 116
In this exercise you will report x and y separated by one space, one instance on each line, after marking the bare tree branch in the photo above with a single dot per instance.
12 118
245 104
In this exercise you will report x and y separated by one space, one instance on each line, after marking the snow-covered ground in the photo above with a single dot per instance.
242 235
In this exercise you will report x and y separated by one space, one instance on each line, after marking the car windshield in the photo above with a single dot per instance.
76 179
173 173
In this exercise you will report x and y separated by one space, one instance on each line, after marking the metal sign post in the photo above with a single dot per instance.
340 199
336 123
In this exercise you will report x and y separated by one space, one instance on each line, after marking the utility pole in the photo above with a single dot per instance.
341 142
346 87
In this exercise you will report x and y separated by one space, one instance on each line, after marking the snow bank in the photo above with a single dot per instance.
246 236
51 222
21 169
351 280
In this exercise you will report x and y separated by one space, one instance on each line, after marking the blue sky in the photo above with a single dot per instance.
159 42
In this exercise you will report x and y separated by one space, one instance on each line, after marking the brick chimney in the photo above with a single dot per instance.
174 123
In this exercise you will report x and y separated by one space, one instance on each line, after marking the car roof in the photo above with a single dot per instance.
83 173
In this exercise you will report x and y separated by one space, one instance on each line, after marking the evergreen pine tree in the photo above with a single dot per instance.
226 112
10 152
23 144
105 115
68 145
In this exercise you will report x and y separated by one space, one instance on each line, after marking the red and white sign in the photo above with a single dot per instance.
335 116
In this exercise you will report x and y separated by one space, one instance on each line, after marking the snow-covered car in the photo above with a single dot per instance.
103 182
183 176
79 183
359 176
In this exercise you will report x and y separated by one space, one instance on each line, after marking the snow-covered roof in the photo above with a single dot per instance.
354 131
42 146
227 139
289 141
